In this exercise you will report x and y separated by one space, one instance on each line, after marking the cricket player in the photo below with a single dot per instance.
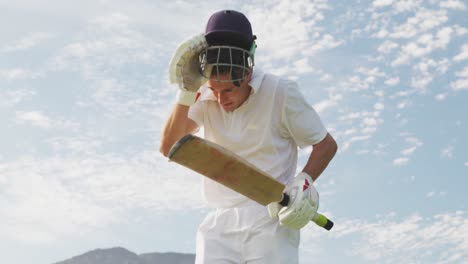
261 117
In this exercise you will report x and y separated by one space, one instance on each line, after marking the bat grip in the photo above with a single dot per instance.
284 200
318 219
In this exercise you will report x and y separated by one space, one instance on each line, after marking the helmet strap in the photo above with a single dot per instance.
252 49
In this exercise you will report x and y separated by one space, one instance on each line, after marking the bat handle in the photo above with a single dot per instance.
318 219
323 221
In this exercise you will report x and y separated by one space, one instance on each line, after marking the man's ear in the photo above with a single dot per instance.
248 76
246 80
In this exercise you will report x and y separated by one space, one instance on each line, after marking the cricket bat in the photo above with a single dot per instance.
231 170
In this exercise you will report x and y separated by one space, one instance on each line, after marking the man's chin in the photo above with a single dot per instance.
229 108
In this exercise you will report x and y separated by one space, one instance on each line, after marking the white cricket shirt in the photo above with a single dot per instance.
266 130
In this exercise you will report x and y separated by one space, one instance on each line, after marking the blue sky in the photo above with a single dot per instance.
84 93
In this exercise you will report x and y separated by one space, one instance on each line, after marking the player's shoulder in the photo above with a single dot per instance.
277 87
285 85
283 81
273 80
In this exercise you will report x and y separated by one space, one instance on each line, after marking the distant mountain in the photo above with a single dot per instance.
120 255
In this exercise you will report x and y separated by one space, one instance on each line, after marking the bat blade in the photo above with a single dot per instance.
226 168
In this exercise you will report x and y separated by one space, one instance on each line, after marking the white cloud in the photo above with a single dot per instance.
460 31
404 93
443 38
356 83
351 116
415 239
13 74
325 77
364 123
387 47
452 4
392 81
415 143
11 97
363 79
121 65
400 161
463 55
421 82
40 202
406 5
289 32
462 82
462 73
382 33
90 191
379 106
327 103
441 96
324 42
381 3
424 45
369 124
374 72
84 144
436 194
108 43
403 104
28 42
426 65
447 152
302 66
423 21
39 119
408 151
369 121
428 69
380 93
18 74
348 142
34 118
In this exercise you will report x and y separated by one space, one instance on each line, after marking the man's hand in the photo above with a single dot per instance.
303 204
184 69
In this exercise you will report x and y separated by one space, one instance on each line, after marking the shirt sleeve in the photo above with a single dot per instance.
299 119
196 113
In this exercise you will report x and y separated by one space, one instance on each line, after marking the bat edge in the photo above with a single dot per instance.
179 144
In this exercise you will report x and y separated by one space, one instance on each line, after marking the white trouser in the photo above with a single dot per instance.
245 235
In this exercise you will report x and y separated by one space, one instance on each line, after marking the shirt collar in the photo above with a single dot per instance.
255 83
257 79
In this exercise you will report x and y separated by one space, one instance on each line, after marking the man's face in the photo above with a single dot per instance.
229 96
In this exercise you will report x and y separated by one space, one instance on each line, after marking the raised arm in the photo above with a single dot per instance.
184 70
177 126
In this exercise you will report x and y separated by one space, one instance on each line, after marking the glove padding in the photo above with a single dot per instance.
303 203
184 68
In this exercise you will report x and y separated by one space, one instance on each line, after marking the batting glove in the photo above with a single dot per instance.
303 204
184 69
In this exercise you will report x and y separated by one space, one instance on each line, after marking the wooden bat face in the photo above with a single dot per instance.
226 168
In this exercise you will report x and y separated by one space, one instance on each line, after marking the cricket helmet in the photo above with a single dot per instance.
231 46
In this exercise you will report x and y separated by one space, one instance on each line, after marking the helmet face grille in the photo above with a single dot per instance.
217 61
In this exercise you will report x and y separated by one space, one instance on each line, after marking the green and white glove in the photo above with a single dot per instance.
303 204
184 69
